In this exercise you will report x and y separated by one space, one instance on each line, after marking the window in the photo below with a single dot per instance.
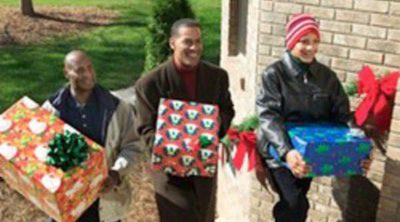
238 27
242 26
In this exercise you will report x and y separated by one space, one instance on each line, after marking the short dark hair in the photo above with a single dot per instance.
185 22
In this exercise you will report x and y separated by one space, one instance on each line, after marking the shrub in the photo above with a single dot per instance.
165 13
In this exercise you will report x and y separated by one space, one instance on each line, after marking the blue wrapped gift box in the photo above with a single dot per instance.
330 149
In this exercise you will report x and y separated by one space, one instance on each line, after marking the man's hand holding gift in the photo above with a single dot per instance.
297 164
372 132
366 164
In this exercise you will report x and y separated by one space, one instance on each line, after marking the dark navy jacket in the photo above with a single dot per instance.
97 112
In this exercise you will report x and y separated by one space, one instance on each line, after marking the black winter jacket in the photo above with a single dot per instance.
290 94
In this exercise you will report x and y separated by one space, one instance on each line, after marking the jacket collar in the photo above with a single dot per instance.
104 97
293 68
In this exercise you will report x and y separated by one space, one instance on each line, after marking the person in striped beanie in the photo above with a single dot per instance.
296 88
302 37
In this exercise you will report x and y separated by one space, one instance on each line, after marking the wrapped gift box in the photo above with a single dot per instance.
177 149
330 149
25 130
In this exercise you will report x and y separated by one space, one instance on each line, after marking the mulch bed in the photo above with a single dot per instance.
50 22
144 208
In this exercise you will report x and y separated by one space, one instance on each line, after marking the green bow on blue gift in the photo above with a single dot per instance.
67 150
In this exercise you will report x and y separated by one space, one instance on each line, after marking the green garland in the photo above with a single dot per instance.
351 88
250 123
67 150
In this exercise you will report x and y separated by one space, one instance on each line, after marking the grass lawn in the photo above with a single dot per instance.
117 51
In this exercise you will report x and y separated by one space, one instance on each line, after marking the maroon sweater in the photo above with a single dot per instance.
189 78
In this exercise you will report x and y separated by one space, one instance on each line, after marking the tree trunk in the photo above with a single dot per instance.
27 7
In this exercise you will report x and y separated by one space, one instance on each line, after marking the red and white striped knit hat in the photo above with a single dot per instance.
298 26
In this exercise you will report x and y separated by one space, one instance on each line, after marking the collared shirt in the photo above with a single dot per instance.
86 118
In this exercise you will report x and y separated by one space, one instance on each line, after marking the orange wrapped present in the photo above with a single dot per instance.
25 132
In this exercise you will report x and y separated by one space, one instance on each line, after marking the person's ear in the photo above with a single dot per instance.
65 72
172 43
68 73
93 71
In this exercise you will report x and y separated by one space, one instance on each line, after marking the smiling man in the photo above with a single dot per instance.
109 121
186 77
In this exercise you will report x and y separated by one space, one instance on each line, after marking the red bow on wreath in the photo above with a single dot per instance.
379 100
246 143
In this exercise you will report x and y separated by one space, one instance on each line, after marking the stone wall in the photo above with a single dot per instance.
353 33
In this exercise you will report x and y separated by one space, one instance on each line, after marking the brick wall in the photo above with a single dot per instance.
389 204
353 33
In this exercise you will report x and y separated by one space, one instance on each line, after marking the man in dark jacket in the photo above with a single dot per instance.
186 77
297 88
96 113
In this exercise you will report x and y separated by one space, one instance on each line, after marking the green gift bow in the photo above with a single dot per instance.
67 150
205 141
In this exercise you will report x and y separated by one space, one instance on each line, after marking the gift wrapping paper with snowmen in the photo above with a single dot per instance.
186 139
25 132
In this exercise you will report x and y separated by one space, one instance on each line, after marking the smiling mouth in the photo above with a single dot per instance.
193 55
308 54
87 82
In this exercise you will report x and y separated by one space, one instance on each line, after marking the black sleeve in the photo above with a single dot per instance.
269 109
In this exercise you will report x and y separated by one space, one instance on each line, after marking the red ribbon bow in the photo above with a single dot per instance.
246 143
379 100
